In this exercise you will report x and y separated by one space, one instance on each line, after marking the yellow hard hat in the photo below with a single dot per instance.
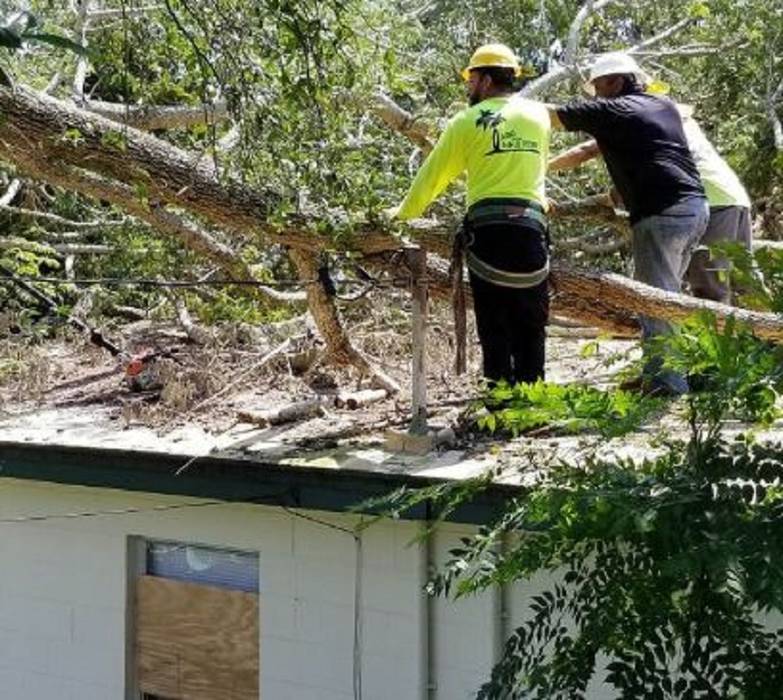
492 56
658 87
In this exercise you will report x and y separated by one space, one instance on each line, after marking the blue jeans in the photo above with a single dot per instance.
662 249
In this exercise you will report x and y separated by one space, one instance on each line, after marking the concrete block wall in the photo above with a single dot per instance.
466 631
63 593
64 590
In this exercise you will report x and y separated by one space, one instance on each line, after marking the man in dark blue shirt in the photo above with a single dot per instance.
641 138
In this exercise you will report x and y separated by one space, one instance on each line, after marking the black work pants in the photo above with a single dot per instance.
511 322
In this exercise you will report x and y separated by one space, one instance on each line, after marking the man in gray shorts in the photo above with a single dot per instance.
729 221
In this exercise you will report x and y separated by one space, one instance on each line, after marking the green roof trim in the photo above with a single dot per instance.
232 479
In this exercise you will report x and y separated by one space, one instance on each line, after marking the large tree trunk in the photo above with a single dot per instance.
75 149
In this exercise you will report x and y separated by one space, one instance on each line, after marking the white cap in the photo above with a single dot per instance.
615 63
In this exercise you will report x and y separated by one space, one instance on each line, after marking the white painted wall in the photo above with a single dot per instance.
63 592
63 595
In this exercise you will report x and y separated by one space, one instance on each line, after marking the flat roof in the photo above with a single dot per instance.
84 446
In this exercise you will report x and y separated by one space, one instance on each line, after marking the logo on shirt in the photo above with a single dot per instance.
504 138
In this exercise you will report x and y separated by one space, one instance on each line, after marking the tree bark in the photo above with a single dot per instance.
49 129
156 117
327 319
619 294
72 148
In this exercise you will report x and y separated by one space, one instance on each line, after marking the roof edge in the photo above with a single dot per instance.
231 479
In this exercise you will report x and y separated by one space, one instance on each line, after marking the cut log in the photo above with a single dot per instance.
357 399
301 410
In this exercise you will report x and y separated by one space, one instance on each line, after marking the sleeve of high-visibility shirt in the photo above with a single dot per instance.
444 163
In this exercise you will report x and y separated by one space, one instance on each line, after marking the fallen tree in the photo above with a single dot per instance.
180 194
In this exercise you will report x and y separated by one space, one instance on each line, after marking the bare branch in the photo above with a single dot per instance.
777 127
54 83
54 219
579 244
58 249
402 121
82 248
595 209
80 37
196 333
549 80
682 52
150 117
661 36
777 94
575 30
287 297
572 63
64 236
13 189
772 113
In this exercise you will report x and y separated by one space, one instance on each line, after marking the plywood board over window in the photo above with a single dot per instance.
196 642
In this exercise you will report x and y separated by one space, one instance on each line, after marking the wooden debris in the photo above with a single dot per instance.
265 360
357 399
289 413
196 333
96 337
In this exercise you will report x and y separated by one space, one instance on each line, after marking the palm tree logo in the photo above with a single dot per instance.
489 119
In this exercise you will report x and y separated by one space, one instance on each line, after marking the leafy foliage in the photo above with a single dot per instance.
564 408
662 568
662 573
735 374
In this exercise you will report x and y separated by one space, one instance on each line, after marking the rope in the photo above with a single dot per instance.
458 304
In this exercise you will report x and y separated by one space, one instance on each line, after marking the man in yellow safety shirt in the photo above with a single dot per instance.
502 141
729 214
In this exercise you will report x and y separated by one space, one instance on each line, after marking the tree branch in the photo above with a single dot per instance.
577 24
327 319
682 52
401 121
571 61
149 118
548 80
579 244
80 37
661 36
40 126
8 196
772 112
54 219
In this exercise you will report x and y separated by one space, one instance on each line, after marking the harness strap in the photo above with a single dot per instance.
458 306
488 214
502 278
484 214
